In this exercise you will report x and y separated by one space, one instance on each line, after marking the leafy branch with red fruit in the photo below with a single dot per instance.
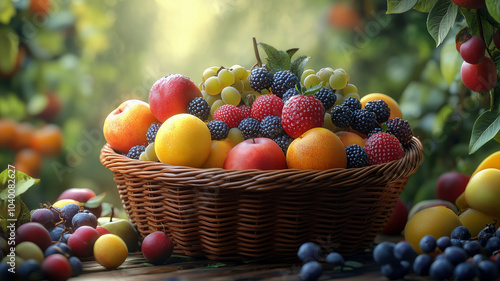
478 43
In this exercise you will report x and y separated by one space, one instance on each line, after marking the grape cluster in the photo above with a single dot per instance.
457 256
311 255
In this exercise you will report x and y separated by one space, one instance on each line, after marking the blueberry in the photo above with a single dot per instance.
441 269
487 270
395 271
455 255
461 233
492 245
428 244
478 257
76 265
30 270
384 253
309 251
335 259
464 271
311 270
443 242
403 251
421 264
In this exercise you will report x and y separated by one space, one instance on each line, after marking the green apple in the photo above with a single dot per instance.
124 229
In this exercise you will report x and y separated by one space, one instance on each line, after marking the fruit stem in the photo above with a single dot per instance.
256 51
481 33
112 213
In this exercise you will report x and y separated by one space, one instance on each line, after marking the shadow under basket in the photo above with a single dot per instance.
260 214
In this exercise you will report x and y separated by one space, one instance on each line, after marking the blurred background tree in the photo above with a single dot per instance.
77 60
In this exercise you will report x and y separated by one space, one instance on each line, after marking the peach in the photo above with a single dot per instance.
48 140
7 131
170 95
349 138
127 125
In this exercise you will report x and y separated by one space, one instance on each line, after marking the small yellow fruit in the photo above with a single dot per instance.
218 154
63 202
492 161
475 221
483 191
110 251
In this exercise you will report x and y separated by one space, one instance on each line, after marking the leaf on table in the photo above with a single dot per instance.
94 202
400 6
20 181
441 19
353 264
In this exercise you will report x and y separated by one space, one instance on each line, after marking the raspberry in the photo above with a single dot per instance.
401 130
353 103
382 148
249 128
270 127
230 114
327 97
356 156
199 107
341 116
153 129
289 93
218 129
136 151
246 111
260 79
364 121
282 81
283 141
302 113
380 108
266 105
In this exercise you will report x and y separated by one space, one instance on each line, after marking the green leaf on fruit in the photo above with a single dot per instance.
7 11
276 60
494 9
9 47
441 19
425 6
298 65
292 52
312 90
15 182
94 202
487 125
400 6
487 23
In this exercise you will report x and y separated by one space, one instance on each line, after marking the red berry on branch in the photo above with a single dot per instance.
461 37
472 51
496 39
470 4
480 77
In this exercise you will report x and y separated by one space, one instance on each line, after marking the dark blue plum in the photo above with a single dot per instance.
68 211
472 248
441 269
464 271
421 264
487 270
443 243
455 255
478 257
309 251
384 253
30 270
395 271
335 259
460 233
492 245
56 232
76 265
427 244
403 251
311 271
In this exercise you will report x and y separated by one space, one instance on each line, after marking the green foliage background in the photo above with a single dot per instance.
96 54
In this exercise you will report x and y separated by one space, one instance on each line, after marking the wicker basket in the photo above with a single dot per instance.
256 214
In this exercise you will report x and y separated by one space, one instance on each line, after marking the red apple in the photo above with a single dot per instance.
157 247
450 185
102 230
258 153
470 4
171 95
82 241
397 220
127 125
480 77
81 195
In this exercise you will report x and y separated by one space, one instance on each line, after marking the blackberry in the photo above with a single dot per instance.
199 107
327 97
282 81
364 121
283 141
249 128
356 156
270 127
289 93
400 129
353 103
260 79
153 129
374 131
380 108
342 116
218 129
136 151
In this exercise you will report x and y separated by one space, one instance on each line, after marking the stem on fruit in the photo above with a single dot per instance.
481 33
256 51
112 213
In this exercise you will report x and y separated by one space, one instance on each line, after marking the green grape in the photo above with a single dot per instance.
235 136
212 85
246 85
238 84
211 99
325 74
312 80
215 105
143 156
239 72
352 94
230 95
204 94
151 153
338 80
340 99
306 73
350 88
29 250
226 78
209 72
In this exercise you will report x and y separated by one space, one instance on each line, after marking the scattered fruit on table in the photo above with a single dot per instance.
424 204
450 185
110 251
259 153
397 220
483 191
157 247
122 228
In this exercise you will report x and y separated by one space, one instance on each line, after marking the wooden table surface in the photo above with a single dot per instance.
183 268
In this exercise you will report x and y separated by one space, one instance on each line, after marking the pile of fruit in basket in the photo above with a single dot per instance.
275 115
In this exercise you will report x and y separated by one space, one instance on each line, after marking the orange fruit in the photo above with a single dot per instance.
7 131
28 161
349 138
492 161
316 149
39 7
475 220
22 135
344 15
183 140
437 221
47 140
218 153
392 103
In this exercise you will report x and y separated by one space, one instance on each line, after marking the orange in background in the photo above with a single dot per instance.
349 138
22 135
47 140
7 131
28 161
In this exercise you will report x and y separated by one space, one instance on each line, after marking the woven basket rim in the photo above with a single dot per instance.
373 174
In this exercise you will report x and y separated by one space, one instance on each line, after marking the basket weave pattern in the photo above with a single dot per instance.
255 214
